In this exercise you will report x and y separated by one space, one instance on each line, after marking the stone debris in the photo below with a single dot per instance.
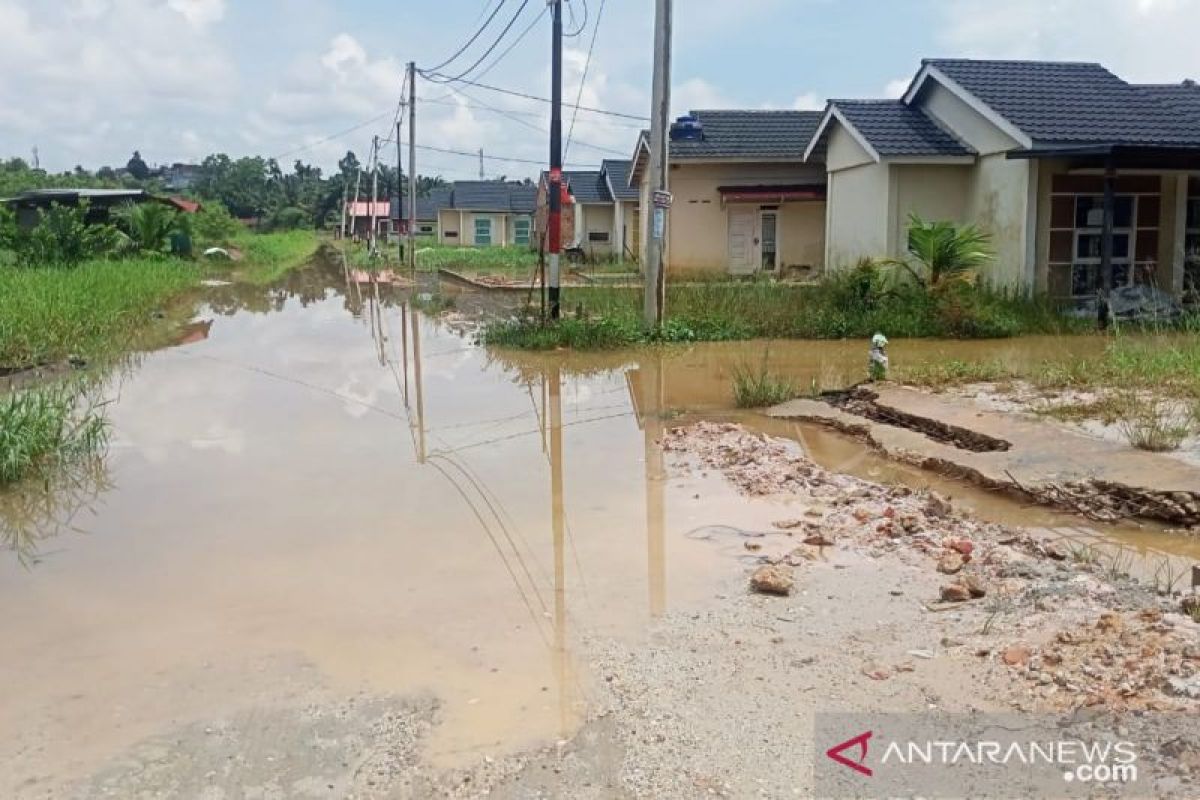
773 579
1074 634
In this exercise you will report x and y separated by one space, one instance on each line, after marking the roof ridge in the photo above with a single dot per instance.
1014 61
754 111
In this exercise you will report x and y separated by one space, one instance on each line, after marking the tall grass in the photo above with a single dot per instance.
834 309
268 256
758 388
46 427
515 261
97 308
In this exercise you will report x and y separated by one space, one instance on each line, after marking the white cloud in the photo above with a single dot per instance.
109 75
696 94
896 88
1147 40
809 101
199 13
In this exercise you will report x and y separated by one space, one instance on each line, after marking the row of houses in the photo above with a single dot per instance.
1026 150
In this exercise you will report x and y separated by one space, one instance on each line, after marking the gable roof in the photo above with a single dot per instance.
1063 103
1182 97
498 196
892 128
428 206
616 171
751 135
587 186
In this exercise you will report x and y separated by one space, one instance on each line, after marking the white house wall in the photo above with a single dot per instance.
858 214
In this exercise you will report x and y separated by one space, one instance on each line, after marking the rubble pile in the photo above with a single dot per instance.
1076 636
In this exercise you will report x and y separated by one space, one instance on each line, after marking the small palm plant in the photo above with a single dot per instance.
941 252
150 226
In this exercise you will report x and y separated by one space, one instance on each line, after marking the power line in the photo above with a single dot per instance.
583 79
477 34
439 78
492 48
331 137
582 25
476 103
515 42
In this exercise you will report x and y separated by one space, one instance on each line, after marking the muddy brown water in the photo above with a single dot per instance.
319 489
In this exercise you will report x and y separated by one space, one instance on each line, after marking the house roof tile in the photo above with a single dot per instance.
896 129
587 186
1069 103
749 134
617 171
498 196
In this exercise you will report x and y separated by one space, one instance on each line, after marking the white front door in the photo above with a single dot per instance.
741 240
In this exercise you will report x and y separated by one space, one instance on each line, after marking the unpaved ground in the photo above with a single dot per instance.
721 700
1023 397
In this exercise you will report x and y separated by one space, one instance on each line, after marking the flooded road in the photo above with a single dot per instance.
321 493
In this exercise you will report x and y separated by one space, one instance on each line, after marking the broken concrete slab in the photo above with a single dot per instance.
1101 479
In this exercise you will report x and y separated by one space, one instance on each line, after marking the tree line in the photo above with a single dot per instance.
249 187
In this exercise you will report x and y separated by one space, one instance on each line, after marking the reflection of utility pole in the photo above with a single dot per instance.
416 338
404 342
556 512
652 430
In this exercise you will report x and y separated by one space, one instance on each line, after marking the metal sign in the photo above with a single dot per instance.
662 199
660 222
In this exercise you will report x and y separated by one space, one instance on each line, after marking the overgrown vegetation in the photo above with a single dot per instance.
45 428
758 387
267 256
514 261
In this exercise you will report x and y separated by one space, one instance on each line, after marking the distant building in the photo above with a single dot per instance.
180 177
100 202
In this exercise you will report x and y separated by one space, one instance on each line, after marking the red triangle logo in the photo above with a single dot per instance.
859 741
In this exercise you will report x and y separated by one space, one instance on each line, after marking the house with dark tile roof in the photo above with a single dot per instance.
486 213
599 211
744 200
1084 181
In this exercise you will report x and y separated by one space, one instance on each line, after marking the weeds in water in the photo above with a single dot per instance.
1167 576
1192 608
1084 554
45 428
1119 565
758 388
1150 423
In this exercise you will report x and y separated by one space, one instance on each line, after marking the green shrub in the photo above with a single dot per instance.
758 388
214 225
153 227
45 427
63 238
289 218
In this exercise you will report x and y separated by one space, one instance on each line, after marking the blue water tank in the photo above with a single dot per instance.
687 129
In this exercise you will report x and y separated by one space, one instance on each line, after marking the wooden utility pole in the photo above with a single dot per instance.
554 226
412 168
660 112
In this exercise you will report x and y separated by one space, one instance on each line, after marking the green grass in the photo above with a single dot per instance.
267 257
724 310
758 388
95 309
47 427
512 261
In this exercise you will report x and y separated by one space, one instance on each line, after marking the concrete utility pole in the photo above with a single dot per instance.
412 168
354 208
399 195
481 163
345 199
373 206
554 226
660 112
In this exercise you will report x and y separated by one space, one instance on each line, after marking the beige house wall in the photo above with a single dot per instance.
598 218
844 151
449 221
464 223
858 205
967 124
698 222
932 191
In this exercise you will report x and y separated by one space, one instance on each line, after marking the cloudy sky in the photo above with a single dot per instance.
88 81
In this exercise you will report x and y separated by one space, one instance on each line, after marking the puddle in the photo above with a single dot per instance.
317 489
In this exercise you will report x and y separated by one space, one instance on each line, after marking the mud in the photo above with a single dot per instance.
339 550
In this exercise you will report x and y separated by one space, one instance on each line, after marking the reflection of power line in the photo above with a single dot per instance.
535 432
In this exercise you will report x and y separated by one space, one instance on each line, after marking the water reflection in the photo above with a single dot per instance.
35 511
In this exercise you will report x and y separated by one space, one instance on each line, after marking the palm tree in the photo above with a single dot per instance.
150 226
945 252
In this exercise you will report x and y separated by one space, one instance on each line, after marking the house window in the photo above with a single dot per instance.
483 230
1191 249
1077 240
521 227
425 230
598 237
451 234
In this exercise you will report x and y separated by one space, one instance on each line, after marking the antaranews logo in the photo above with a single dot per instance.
859 742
